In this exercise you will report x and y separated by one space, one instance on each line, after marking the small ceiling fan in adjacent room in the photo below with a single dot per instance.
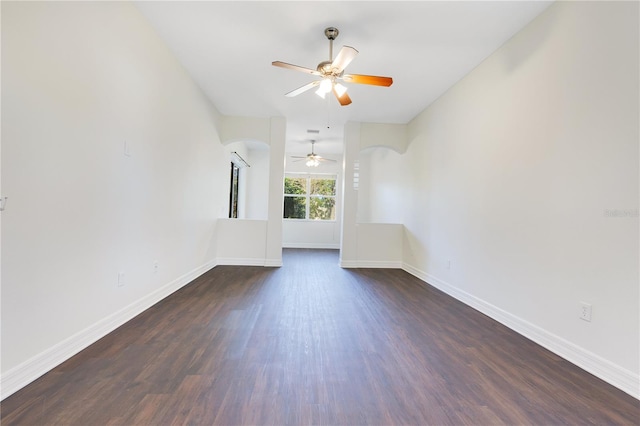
312 159
333 70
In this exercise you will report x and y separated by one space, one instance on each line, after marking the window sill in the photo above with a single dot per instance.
309 220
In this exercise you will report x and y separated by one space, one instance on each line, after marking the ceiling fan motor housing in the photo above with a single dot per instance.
331 33
326 69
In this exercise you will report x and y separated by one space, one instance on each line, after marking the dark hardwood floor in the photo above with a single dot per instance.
311 343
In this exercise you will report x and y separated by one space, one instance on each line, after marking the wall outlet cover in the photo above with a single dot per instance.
585 311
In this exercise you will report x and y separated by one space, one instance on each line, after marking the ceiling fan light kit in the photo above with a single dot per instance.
325 87
340 89
332 70
312 162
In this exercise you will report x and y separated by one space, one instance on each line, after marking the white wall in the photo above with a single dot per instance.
313 233
513 172
79 80
381 192
387 135
253 185
257 184
321 234
379 245
372 232
381 207
271 131
241 242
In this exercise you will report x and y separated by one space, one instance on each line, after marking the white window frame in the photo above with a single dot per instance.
308 195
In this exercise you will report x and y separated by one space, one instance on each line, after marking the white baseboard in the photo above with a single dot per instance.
249 261
25 373
237 261
389 264
312 245
276 263
611 373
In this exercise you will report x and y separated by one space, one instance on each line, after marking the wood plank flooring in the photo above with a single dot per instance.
311 343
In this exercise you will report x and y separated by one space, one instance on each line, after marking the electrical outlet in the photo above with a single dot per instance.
585 311
155 267
120 279
448 264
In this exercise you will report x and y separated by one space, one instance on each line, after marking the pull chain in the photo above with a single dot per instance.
328 112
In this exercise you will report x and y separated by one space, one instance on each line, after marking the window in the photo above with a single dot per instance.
310 197
233 192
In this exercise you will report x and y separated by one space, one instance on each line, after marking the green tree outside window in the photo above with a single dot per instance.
309 198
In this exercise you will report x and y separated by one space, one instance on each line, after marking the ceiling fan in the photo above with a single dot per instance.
333 70
312 159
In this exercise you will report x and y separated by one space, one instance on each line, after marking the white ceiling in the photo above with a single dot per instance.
426 46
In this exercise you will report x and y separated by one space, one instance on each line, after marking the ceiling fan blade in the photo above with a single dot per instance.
345 56
295 67
302 89
368 79
327 159
297 156
344 99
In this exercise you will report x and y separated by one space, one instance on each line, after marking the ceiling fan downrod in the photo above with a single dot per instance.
332 34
